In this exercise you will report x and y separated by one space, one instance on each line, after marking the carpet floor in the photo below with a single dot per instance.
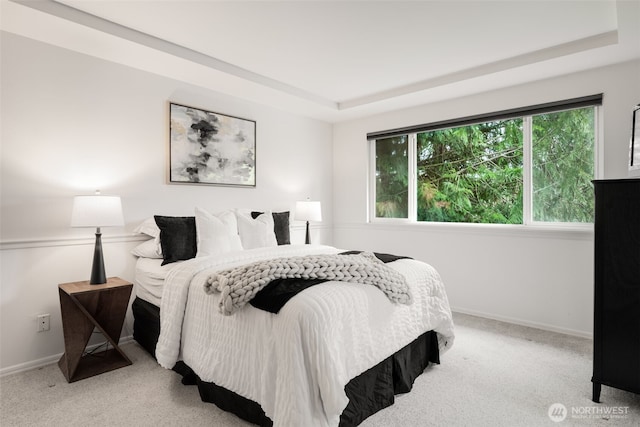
496 374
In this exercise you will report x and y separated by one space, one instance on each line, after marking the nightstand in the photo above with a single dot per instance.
83 308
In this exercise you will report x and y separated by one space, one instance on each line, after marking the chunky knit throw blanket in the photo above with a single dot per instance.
239 285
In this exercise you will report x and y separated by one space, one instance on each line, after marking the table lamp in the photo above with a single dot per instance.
97 211
308 211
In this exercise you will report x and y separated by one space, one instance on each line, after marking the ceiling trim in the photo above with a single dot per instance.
569 48
69 13
265 89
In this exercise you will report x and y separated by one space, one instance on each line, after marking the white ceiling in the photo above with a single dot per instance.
338 60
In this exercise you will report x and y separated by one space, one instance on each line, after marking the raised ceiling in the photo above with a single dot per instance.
340 60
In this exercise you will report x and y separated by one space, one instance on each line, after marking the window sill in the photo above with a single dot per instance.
555 231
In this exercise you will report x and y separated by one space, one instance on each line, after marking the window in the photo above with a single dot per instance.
511 168
471 173
392 177
562 166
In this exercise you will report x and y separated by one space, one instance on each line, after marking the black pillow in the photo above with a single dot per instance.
177 237
280 226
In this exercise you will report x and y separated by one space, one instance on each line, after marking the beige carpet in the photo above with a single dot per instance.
496 374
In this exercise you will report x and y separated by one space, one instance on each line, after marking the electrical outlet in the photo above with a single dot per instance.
43 322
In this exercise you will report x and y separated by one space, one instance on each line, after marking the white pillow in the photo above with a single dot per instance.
256 233
148 227
216 234
148 249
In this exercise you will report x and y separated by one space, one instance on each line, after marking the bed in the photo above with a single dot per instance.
332 355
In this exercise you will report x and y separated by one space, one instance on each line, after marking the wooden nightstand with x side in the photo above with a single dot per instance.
85 307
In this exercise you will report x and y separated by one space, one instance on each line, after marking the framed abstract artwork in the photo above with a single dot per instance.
211 148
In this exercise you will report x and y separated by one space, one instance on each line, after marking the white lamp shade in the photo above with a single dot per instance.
97 211
308 211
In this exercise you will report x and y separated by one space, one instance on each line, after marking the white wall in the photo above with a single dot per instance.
71 124
535 277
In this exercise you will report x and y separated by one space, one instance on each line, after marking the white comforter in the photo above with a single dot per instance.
296 363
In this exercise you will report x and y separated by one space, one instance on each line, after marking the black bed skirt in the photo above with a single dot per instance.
368 393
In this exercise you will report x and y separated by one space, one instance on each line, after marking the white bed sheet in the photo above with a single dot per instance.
296 363
149 278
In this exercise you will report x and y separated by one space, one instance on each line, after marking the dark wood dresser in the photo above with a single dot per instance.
616 332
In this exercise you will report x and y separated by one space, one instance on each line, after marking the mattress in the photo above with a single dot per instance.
150 277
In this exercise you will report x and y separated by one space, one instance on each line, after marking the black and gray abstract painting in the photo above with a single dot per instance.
211 148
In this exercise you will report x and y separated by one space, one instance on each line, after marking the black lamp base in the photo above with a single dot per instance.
98 276
307 240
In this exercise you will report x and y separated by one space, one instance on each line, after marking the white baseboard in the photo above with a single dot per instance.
527 323
38 363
